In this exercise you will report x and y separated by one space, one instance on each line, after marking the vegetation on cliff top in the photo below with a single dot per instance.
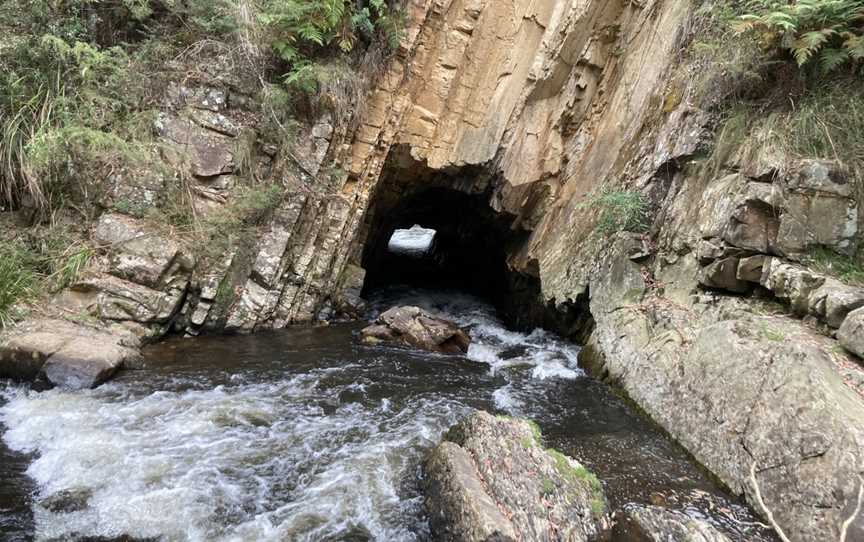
71 93
81 82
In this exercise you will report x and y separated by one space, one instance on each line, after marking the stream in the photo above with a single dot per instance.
307 435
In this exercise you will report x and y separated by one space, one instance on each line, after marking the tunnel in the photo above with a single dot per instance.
468 251
466 247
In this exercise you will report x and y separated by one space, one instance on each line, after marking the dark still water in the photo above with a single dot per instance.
306 435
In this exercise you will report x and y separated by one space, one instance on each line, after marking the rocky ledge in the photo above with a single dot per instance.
490 479
412 326
66 354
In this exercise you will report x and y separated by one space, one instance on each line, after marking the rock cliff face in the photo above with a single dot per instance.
530 109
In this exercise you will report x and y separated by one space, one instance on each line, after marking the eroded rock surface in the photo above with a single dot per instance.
412 326
491 480
739 387
641 523
67 355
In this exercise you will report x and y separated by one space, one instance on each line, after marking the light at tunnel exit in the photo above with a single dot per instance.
415 242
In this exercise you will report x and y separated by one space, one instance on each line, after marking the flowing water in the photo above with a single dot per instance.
305 434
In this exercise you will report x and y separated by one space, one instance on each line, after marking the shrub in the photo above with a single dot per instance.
17 279
619 211
826 33
301 29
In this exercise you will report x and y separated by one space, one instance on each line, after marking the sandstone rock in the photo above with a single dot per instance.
491 480
68 355
791 282
349 299
459 506
740 212
750 268
415 327
112 298
723 274
851 333
211 153
656 524
734 388
138 253
818 209
832 301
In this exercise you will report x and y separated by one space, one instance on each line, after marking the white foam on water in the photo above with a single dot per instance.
492 343
254 462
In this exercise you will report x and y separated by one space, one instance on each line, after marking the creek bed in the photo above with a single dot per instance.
304 434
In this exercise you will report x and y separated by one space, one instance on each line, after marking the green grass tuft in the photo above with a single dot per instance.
619 211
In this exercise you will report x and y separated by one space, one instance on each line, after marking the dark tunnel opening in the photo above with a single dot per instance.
468 253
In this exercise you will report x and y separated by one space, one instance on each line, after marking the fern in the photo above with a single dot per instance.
824 33
302 29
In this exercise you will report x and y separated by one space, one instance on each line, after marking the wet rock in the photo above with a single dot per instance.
491 480
68 355
413 326
656 524
349 300
736 388
67 500
851 333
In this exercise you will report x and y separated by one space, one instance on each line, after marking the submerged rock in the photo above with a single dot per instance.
413 326
66 354
67 500
657 524
490 479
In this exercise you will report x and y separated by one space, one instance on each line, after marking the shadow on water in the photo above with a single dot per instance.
305 434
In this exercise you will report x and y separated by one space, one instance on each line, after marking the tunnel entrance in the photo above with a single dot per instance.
468 250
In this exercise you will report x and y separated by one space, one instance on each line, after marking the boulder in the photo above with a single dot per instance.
723 274
819 208
645 523
139 253
112 298
791 282
851 333
832 301
492 480
67 354
750 268
415 327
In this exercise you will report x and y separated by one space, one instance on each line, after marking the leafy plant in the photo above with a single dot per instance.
17 279
828 33
303 28
619 211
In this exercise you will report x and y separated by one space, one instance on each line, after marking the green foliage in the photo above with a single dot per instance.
42 261
302 29
828 34
827 122
17 280
619 211
847 269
